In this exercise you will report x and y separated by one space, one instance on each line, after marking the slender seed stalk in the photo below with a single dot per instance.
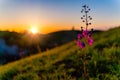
86 35
86 20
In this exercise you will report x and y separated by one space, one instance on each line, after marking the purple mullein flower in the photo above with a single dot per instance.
85 33
90 41
81 44
79 36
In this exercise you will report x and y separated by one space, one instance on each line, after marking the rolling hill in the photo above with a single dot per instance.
66 62
12 44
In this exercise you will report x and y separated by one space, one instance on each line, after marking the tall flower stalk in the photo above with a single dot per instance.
85 37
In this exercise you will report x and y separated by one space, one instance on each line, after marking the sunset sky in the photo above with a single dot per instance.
53 15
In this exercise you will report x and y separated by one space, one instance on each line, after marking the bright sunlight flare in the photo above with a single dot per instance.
34 30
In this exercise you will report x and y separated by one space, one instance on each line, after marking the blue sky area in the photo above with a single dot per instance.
59 13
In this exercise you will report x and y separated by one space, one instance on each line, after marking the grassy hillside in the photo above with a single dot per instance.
66 62
30 44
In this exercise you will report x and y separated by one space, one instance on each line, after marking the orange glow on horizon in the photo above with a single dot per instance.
48 29
33 29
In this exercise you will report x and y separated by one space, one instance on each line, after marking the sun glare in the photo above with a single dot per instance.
34 30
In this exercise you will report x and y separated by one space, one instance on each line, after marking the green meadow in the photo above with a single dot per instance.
66 62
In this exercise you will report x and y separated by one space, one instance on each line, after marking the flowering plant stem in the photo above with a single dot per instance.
86 36
84 64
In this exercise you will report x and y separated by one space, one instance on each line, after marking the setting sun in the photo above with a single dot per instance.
34 30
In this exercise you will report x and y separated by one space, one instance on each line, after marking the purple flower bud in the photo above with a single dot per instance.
79 36
90 41
85 33
81 44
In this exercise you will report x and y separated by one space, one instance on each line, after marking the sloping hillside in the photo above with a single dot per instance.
12 44
66 62
35 65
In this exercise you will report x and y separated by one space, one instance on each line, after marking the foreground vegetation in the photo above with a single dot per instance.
65 62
